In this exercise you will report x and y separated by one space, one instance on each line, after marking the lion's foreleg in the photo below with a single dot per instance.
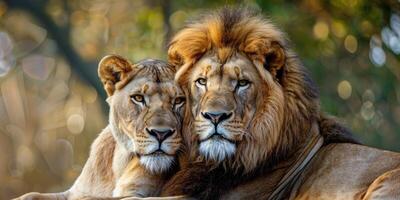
44 196
386 186
159 198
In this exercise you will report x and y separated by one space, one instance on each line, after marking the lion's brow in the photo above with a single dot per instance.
237 71
145 88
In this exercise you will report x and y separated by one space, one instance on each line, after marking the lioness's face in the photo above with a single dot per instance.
147 114
223 100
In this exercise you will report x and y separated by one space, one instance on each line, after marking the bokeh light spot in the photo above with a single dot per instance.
7 59
368 95
350 44
395 23
344 89
321 30
91 95
391 39
75 123
25 158
367 110
37 66
338 29
377 56
65 153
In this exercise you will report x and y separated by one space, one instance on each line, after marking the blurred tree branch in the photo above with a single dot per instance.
166 10
86 70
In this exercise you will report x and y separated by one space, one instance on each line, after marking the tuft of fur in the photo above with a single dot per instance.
157 164
335 132
217 150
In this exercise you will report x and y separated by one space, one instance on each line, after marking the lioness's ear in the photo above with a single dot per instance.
111 70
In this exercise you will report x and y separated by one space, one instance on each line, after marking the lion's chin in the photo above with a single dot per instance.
157 163
217 149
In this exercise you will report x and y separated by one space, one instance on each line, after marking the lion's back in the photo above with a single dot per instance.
345 171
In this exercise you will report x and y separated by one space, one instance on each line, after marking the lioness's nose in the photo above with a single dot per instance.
216 117
161 134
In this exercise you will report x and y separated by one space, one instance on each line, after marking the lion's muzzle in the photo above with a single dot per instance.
216 117
160 133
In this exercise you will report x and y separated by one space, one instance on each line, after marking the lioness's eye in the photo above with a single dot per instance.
201 81
243 83
179 100
137 98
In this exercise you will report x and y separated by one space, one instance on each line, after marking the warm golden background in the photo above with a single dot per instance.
52 104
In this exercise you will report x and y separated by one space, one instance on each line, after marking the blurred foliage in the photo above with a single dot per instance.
52 104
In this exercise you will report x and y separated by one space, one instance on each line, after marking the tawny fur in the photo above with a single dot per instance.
286 107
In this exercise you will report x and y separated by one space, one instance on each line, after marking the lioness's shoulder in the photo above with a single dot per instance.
104 143
97 176
102 153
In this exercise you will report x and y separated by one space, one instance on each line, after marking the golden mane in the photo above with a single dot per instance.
229 31
224 33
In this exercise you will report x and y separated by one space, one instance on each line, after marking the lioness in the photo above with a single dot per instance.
137 151
256 128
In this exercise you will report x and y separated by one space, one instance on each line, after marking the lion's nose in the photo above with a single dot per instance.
216 117
161 134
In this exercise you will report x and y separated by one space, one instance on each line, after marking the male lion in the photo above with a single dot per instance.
137 152
255 128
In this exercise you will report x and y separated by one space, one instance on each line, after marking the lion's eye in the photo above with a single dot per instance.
201 81
179 101
138 98
243 83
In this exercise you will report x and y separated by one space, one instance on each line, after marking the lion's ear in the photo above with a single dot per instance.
112 69
274 59
174 57
270 55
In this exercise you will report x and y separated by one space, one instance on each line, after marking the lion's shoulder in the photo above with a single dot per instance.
344 153
356 165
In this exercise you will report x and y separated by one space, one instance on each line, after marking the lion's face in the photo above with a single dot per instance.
146 114
223 98
251 99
